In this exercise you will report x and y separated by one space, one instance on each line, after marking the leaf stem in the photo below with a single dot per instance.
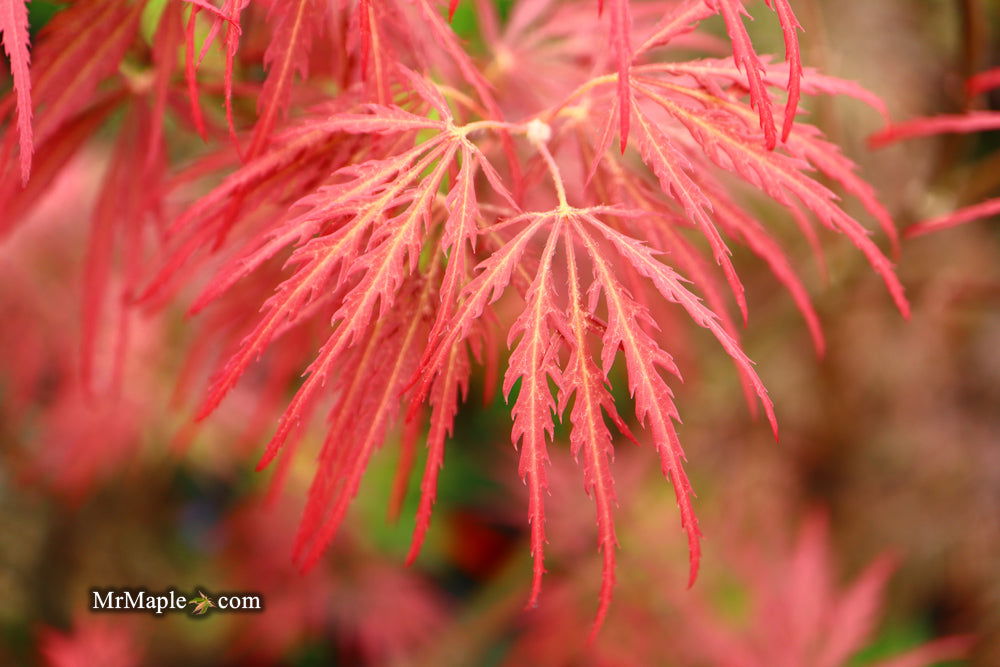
489 125
550 162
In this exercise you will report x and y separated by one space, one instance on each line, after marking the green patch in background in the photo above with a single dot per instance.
464 21
40 12
894 640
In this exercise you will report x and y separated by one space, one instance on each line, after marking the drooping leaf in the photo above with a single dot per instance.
590 438
654 405
533 362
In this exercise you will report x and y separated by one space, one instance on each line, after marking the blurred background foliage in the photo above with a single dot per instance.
893 437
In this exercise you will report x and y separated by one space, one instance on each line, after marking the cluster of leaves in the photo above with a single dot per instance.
385 186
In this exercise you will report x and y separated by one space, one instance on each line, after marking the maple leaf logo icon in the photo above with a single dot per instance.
202 604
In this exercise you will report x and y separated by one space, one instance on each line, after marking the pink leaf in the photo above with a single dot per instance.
789 28
14 26
621 29
979 211
984 82
747 60
974 121
533 362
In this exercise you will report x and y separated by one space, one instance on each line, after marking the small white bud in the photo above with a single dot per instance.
538 132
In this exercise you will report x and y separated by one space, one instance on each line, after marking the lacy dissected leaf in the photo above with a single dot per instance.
654 406
376 268
544 327
295 26
703 71
533 361
746 59
494 275
673 169
789 28
807 142
460 230
671 286
753 67
590 438
69 65
14 29
348 449
783 177
680 20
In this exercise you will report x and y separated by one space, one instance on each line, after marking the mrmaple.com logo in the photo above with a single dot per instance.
197 604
